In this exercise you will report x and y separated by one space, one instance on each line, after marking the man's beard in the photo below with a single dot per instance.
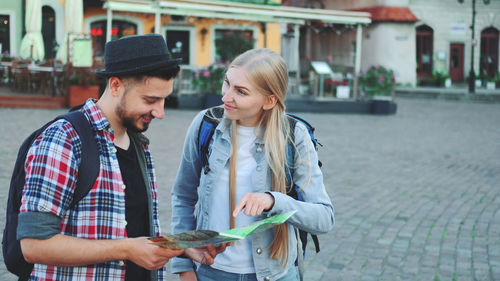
129 122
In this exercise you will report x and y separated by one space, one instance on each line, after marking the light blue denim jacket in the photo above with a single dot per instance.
314 215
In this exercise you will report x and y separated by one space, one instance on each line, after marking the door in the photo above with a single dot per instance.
457 62
49 31
489 51
4 34
425 42
178 44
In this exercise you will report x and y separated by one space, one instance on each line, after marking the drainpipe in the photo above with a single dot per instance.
264 30
23 8
357 61
157 17
296 32
109 22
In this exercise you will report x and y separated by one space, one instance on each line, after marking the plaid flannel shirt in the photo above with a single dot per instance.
51 173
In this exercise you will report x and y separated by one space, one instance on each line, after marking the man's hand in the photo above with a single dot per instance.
206 255
254 204
63 250
148 255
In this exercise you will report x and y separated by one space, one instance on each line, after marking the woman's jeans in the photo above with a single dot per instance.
207 273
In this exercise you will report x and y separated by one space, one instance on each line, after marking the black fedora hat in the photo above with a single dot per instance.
136 54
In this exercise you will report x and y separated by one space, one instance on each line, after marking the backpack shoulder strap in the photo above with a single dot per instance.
89 165
293 189
290 156
310 128
207 128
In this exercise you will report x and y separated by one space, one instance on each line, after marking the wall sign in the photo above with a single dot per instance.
458 28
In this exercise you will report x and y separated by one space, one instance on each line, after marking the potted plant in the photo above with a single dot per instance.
209 81
378 84
490 82
447 83
440 77
479 80
81 85
6 57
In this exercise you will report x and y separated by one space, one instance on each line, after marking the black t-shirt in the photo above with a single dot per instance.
136 205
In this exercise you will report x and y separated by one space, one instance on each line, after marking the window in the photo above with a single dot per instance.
119 29
425 43
489 51
178 44
5 34
229 43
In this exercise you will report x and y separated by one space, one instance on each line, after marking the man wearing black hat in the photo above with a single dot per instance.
104 236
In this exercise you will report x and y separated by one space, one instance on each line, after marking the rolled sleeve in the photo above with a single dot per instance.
37 225
179 265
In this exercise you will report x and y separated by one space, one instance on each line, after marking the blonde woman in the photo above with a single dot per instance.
246 178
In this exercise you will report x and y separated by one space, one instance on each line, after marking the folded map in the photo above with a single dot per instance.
201 238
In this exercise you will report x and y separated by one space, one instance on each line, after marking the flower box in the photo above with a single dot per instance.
80 94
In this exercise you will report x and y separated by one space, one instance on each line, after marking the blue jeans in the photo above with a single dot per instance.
207 273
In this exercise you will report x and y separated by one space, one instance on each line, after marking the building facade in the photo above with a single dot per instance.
444 37
195 30
417 38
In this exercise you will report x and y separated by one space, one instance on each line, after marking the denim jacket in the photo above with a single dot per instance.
314 215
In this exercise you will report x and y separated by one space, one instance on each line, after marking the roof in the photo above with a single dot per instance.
391 14
239 11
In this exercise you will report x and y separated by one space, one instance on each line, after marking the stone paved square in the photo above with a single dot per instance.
416 194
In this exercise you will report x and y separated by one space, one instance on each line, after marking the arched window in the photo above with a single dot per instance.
49 30
425 42
119 29
489 51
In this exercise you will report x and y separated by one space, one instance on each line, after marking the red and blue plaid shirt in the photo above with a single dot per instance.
51 173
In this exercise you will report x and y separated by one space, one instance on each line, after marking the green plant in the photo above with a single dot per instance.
80 77
378 80
230 45
210 79
439 76
6 57
491 78
497 79
480 76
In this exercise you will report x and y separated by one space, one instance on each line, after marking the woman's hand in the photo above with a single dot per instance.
254 204
206 255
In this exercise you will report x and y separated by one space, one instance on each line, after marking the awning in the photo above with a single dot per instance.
238 11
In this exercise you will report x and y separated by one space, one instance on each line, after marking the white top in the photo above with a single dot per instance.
236 258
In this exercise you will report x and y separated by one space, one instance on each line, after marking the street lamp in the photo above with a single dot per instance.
472 75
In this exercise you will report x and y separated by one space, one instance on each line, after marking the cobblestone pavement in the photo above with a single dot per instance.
416 194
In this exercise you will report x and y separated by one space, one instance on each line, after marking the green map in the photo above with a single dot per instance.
201 238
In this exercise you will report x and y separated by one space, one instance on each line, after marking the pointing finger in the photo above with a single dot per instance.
240 206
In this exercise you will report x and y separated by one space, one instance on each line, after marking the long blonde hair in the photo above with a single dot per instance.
267 71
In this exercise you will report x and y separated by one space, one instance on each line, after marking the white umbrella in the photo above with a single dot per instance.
32 43
73 21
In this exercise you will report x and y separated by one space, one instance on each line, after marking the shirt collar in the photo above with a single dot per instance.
96 117
225 127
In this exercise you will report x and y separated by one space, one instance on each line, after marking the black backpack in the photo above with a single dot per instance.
207 129
88 172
